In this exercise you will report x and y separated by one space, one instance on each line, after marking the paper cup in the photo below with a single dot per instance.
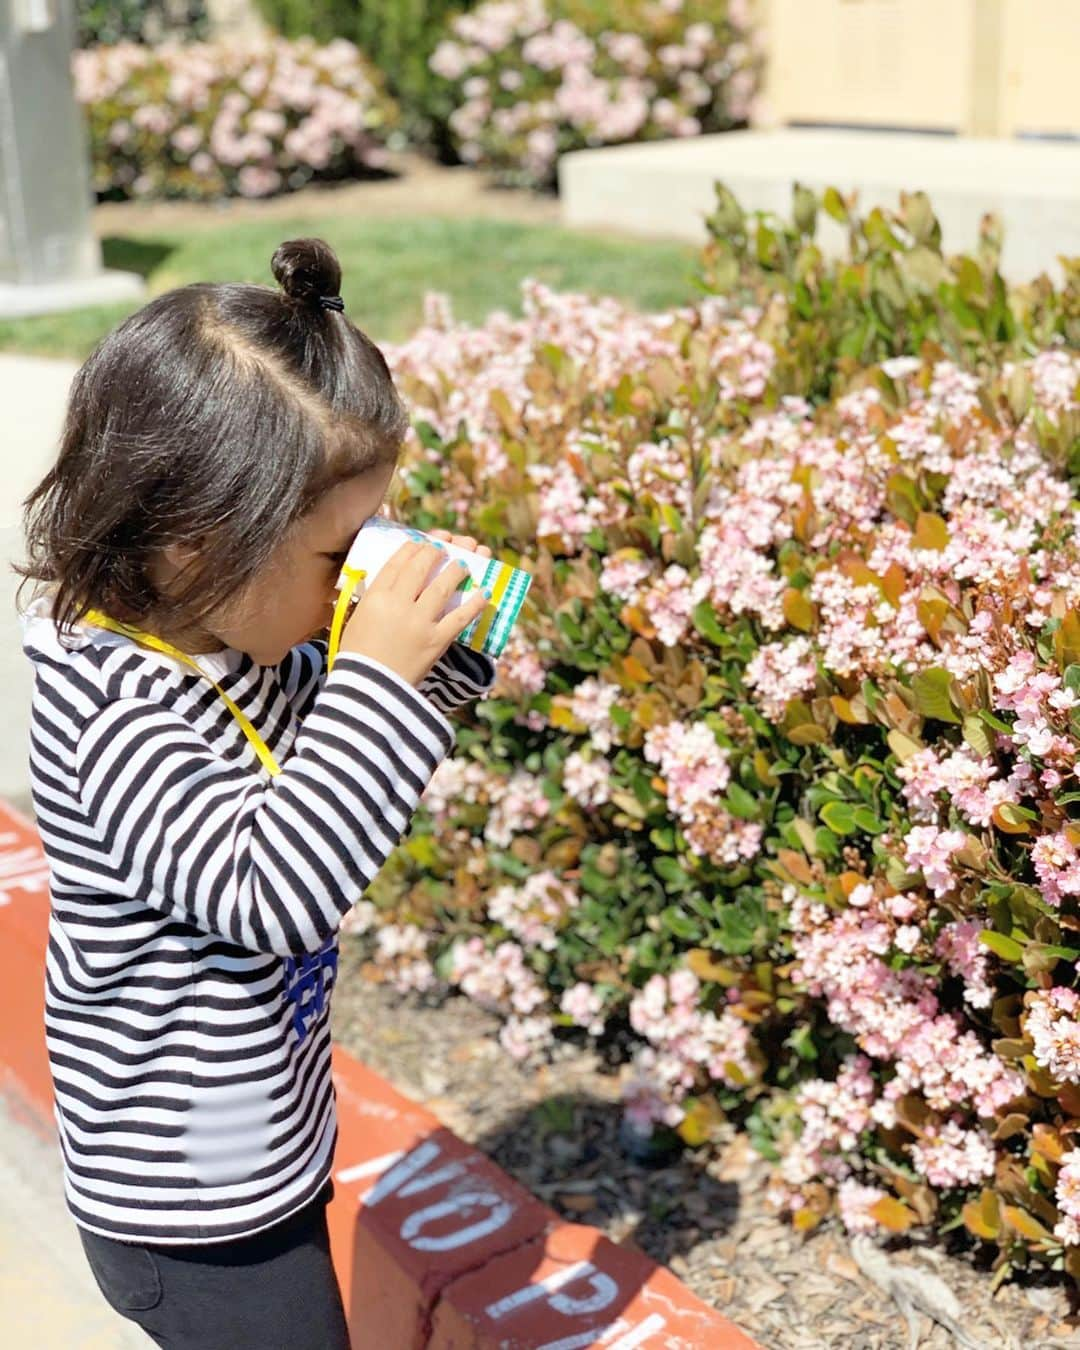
380 539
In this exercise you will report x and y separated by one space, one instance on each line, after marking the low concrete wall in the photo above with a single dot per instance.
434 1246
666 188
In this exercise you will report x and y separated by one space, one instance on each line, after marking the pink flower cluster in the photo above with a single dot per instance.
855 1200
1053 1024
529 85
894 1014
402 951
688 1040
209 119
962 779
458 780
518 806
646 1095
834 1118
587 779
501 981
780 672
1041 705
591 703
1067 1195
931 851
584 1006
602 336
1057 866
695 770
535 911
692 763
959 947
950 1155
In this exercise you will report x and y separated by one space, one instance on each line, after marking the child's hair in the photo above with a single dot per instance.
213 418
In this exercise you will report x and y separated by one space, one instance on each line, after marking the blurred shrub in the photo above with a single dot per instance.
108 22
206 120
779 782
397 35
523 81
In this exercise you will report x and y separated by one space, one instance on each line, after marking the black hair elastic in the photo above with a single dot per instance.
332 302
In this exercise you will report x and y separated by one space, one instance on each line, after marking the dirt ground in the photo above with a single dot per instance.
556 1130
416 186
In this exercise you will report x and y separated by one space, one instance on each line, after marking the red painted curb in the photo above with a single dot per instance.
435 1247
572 1288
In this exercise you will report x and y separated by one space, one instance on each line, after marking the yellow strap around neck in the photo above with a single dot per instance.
353 577
257 743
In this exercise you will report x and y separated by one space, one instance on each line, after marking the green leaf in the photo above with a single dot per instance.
679 923
1061 953
839 817
854 341
932 697
903 498
804 209
977 736
994 722
867 821
741 804
834 205
1006 947
708 625
671 872
903 746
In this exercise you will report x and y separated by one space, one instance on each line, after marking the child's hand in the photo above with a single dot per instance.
465 541
396 620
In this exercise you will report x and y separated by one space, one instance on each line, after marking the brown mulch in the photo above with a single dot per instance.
556 1130
414 186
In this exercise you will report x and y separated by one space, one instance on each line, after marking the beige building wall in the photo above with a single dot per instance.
1040 87
980 67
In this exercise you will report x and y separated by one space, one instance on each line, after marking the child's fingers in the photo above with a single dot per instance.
410 566
455 623
465 541
437 594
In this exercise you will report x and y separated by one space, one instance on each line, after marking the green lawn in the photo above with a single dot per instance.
387 267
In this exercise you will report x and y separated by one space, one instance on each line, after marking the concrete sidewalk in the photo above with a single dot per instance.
48 1297
33 392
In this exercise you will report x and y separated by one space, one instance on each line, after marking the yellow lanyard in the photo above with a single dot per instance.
149 640
353 577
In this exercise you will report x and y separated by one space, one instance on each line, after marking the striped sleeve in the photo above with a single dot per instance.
271 865
459 676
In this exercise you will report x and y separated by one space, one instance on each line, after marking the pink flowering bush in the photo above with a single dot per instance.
778 791
207 120
524 81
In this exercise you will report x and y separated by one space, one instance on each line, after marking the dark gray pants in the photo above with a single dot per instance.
274 1291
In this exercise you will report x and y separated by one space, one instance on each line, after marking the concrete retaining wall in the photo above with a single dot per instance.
665 188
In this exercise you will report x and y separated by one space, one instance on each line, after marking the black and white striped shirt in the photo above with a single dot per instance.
195 909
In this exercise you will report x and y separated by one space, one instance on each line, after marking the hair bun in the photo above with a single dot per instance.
306 269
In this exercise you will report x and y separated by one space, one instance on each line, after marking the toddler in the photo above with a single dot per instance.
212 800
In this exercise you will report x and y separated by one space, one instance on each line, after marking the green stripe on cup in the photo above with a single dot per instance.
507 610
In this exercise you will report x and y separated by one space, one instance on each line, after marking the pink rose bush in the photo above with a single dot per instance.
216 119
778 791
526 80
